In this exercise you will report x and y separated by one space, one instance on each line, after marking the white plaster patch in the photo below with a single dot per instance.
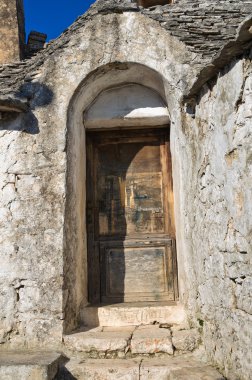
127 105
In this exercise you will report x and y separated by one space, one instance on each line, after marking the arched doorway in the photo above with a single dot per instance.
149 112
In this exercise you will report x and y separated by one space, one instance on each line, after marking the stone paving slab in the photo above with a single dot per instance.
101 341
150 340
29 365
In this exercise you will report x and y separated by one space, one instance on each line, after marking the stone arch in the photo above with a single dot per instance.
107 78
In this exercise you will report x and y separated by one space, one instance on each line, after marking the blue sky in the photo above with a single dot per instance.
53 16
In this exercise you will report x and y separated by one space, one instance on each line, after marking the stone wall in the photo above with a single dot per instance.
11 30
216 149
42 201
32 205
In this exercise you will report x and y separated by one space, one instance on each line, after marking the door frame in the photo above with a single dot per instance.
93 246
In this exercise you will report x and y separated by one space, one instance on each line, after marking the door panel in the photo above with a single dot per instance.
137 270
130 223
129 189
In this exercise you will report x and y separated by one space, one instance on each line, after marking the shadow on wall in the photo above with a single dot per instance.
37 95
64 374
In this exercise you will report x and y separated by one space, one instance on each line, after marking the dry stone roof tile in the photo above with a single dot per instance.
216 30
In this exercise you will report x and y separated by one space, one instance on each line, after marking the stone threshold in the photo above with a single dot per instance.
180 368
133 314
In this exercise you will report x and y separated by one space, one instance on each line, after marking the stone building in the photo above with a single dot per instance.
125 204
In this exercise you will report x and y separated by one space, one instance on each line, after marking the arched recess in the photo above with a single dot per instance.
126 105
145 106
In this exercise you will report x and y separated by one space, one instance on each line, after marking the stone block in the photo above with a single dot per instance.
150 340
133 314
29 365
185 340
243 294
7 300
101 341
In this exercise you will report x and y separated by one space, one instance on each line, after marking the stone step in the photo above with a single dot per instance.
100 341
179 368
132 314
29 365
131 341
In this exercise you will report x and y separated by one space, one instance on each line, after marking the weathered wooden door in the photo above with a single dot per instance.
131 237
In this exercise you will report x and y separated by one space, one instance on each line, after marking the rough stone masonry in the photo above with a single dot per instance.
197 56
